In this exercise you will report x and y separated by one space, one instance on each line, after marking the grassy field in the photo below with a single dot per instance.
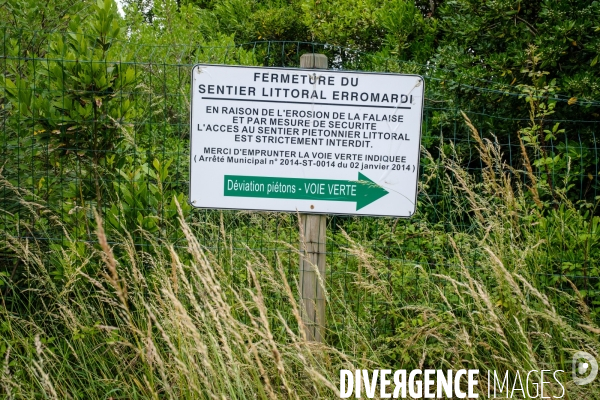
181 319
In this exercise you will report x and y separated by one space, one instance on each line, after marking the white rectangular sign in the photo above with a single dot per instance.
312 141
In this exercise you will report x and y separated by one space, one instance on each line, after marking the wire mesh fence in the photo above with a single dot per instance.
107 128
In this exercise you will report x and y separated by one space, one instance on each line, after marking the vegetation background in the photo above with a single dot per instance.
112 287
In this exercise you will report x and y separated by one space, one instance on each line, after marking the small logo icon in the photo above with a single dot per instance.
585 368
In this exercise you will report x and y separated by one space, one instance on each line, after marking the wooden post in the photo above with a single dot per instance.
312 250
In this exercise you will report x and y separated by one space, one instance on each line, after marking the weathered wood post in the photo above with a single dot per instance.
313 250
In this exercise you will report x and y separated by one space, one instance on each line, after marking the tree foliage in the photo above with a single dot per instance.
468 42
77 101
493 40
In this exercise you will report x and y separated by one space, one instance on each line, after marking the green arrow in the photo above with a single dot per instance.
362 191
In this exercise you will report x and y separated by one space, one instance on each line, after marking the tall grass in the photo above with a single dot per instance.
493 308
165 321
159 324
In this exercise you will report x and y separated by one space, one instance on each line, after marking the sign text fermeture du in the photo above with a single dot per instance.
314 141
